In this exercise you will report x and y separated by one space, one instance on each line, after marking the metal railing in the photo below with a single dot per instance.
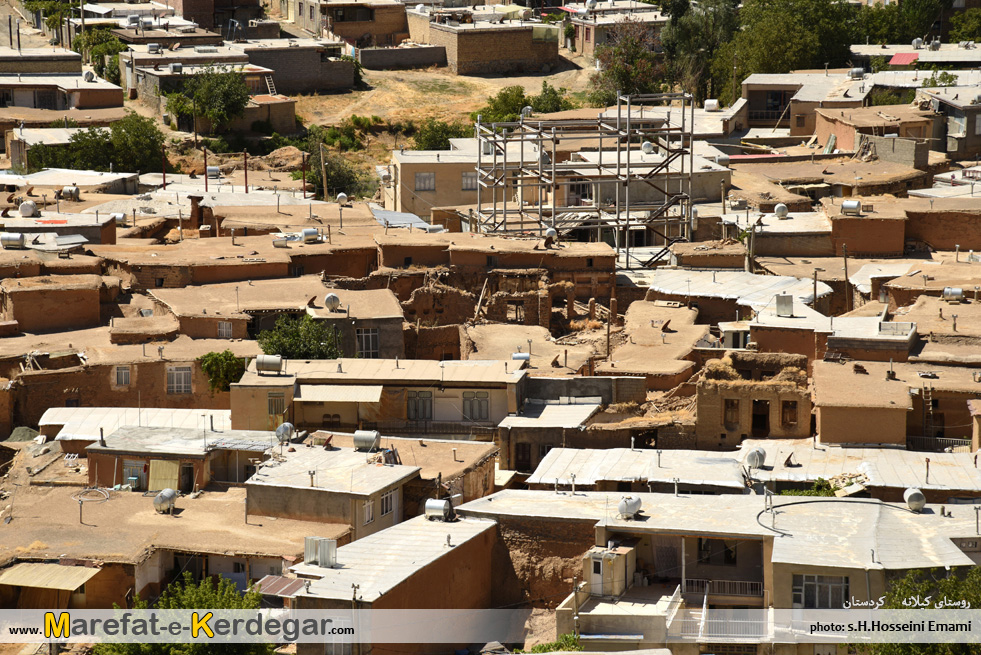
474 430
723 587
938 444
766 114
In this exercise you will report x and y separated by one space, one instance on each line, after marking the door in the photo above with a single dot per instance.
187 478
596 577
761 419
522 457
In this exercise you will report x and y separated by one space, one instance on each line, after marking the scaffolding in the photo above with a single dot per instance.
522 187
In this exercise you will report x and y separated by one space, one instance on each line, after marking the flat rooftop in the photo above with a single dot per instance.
66 81
589 466
838 385
740 286
645 351
933 315
59 282
381 561
879 116
347 370
338 470
500 341
770 225
62 177
85 423
814 87
39 54
838 533
862 328
50 136
192 442
881 467
541 414
946 53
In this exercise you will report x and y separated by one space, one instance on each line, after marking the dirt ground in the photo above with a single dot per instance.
539 628
29 37
419 94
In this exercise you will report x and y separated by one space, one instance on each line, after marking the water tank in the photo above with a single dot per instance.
438 510
722 160
647 148
153 48
285 432
781 210
953 294
341 198
527 111
88 76
133 19
27 209
269 363
213 172
309 235
332 302
176 67
164 501
119 217
521 357
917 43
591 4
851 207
369 440
551 233
629 507
856 73
915 499
12 240
755 458
70 193
712 104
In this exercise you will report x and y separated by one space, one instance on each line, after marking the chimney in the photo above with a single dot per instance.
102 439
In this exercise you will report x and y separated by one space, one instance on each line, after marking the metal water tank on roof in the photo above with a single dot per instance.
856 73
712 104
915 499
781 210
629 507
722 160
27 209
164 501
70 193
756 458
438 510
368 440
309 235
12 240
285 432
851 207
332 301
953 294
213 172
269 363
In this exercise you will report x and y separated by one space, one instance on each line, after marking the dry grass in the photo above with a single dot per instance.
630 407
581 324
721 369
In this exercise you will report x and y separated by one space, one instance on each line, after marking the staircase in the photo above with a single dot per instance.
270 85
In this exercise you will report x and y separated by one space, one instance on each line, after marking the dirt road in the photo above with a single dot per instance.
29 37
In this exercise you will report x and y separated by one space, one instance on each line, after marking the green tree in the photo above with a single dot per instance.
966 25
187 594
550 100
436 135
137 145
940 78
957 584
690 44
507 104
222 369
628 63
565 643
820 487
301 338
217 93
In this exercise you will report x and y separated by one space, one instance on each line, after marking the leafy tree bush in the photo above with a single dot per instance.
507 104
301 338
217 93
436 135
565 643
940 78
131 144
628 63
222 369
966 25
691 42
102 48
821 487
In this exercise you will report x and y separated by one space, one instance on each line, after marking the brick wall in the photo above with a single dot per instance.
304 70
397 58
493 50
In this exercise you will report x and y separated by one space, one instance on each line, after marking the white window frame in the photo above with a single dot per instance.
179 379
367 342
123 372
476 405
368 509
822 585
468 181
425 182
224 329
388 502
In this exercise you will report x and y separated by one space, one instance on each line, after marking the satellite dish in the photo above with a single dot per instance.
647 148
89 76
341 198
285 432
332 302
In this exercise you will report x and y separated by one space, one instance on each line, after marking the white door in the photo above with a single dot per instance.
596 577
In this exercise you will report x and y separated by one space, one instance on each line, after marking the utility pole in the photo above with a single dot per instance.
815 298
848 286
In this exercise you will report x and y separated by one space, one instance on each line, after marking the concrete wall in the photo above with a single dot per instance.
865 235
611 389
878 425
714 433
304 69
399 58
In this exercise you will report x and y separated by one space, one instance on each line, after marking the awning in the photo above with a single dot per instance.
277 585
47 576
904 58
163 474
339 393
97 9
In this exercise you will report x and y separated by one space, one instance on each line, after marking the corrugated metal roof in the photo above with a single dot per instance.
339 393
535 415
277 585
904 58
47 576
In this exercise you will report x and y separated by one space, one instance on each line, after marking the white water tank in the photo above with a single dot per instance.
647 148
12 240
712 104
213 172
953 294
551 233
629 507
756 458
27 209
369 440
722 160
915 499
70 193
851 207
164 501
781 211
341 198
309 235
856 73
332 301
268 364
438 510
285 432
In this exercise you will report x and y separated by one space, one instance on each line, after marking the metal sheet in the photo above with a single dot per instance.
339 393
164 474
47 576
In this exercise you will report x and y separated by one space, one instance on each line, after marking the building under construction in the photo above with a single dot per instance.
624 177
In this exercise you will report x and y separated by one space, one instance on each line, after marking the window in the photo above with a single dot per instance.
469 182
731 416
122 376
311 12
543 450
179 379
6 97
820 591
977 124
597 567
388 502
300 10
224 329
589 262
577 31
800 118
420 406
276 404
238 567
159 282
492 261
788 413
367 339
716 552
425 181
587 34
475 405
298 270
368 508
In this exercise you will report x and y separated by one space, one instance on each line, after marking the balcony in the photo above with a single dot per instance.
461 429
768 115
724 587
938 444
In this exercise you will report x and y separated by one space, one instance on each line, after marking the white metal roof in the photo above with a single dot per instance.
339 393
541 415
84 423
745 288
